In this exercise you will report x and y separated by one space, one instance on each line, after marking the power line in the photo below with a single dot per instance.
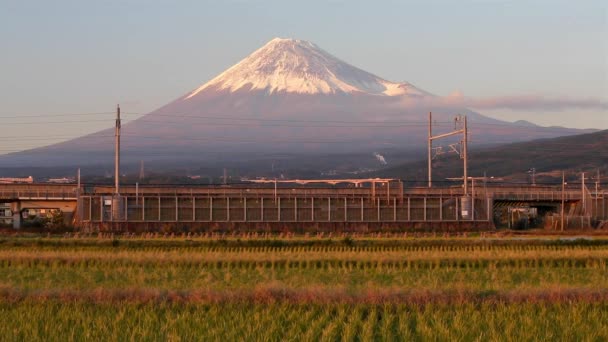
212 139
51 115
407 122
231 118
55 122
553 147
38 137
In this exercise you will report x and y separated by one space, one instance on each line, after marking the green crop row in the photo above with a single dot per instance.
251 276
316 249
306 244
59 321
266 263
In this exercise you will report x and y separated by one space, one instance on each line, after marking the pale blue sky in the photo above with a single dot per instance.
85 56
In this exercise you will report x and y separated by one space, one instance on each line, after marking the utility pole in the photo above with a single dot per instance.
116 211
117 153
465 157
563 198
430 149
141 170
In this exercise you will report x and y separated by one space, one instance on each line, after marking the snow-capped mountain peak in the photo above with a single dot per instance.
298 66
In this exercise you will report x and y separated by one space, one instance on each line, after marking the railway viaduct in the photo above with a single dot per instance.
384 204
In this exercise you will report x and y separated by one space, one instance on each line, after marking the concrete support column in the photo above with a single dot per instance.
473 207
79 206
489 207
210 208
424 205
16 210
101 200
193 209
373 191
395 209
362 211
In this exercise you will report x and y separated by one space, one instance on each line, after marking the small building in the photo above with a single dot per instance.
6 215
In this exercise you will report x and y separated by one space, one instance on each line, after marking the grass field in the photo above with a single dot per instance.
303 289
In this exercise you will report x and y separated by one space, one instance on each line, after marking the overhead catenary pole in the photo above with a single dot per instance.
583 193
473 200
117 153
597 183
532 171
563 199
430 150
463 153
78 192
485 184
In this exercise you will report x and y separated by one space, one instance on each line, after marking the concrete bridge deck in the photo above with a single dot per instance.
514 192
284 204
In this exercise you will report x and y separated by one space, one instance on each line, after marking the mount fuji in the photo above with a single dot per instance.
301 67
288 97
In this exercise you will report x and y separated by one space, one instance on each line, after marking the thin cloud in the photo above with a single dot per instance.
514 103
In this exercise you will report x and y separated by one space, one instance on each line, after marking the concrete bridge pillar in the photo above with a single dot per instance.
16 210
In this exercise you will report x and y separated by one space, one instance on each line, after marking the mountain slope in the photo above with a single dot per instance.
549 157
289 96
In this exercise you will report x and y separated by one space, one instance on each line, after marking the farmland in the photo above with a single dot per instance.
303 288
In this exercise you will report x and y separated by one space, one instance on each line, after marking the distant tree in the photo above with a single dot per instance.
54 221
